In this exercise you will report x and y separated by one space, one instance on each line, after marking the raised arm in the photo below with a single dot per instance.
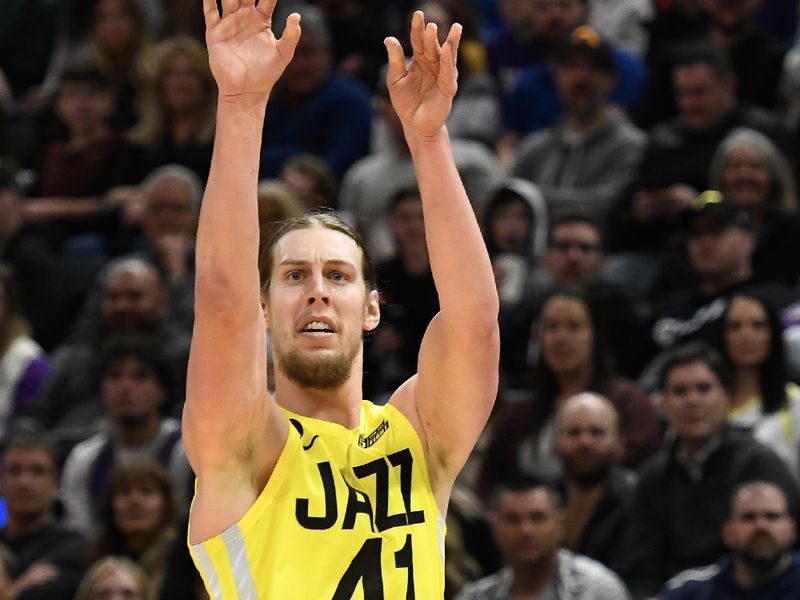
232 430
452 394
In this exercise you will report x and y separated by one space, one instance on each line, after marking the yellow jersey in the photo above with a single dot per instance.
346 514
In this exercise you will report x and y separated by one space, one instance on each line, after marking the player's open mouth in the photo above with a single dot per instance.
318 328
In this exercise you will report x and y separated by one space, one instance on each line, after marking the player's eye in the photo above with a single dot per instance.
295 275
338 276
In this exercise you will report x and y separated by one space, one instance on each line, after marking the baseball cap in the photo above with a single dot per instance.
714 210
585 41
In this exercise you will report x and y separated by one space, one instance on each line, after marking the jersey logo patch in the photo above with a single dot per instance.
366 442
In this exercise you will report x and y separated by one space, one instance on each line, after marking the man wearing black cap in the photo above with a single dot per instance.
721 243
587 159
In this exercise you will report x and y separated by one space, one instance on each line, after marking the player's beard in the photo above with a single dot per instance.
319 373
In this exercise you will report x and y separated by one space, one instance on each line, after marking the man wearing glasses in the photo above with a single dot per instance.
760 533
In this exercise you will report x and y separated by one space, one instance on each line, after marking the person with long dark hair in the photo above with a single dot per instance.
749 338
573 359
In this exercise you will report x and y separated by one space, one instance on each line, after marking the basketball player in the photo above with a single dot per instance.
313 493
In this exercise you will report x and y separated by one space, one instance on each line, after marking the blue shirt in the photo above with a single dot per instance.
333 124
535 103
716 583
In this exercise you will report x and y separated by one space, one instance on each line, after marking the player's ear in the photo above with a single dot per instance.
372 311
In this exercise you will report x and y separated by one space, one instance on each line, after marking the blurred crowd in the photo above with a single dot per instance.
633 165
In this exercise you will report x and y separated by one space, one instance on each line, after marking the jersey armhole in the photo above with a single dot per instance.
280 473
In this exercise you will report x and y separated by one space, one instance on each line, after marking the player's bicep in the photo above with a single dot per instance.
226 390
454 392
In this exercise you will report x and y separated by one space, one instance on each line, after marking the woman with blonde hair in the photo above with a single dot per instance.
179 108
24 366
114 577
749 169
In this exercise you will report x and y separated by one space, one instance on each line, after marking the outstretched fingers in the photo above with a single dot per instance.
449 57
211 12
397 61
431 41
418 33
291 35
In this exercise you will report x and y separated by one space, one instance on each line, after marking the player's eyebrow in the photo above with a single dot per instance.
331 262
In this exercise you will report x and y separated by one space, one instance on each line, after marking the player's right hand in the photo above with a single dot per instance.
245 56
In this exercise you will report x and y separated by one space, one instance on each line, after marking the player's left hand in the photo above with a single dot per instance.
422 92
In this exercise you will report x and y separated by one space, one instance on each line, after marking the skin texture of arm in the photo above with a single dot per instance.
450 398
233 431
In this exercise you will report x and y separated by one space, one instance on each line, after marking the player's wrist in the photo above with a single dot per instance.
244 100
417 138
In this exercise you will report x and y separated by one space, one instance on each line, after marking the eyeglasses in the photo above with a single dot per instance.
567 245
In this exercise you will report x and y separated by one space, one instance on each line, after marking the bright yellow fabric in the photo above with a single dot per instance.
333 519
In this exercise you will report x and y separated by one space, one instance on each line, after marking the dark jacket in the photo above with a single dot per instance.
57 546
676 521
603 533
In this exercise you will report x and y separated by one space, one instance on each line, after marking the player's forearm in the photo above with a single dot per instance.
459 260
228 232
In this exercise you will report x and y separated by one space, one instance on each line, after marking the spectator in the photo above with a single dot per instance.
573 359
120 47
178 112
76 173
50 559
134 386
681 149
763 399
409 295
760 532
575 259
720 247
755 55
134 301
114 577
163 211
276 201
597 489
515 229
313 109
23 364
531 29
680 502
750 169
370 184
528 526
587 159
139 518
536 102
312 180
